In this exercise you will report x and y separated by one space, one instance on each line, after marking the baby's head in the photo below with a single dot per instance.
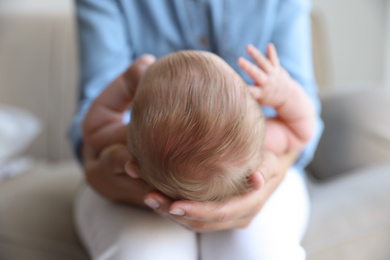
195 131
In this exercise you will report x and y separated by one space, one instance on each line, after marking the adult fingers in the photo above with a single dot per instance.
253 71
162 206
110 161
118 96
272 55
111 133
88 154
205 216
102 124
105 173
134 73
115 157
259 58
245 205
157 201
235 208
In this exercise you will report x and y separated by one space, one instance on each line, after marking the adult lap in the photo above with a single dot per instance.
113 231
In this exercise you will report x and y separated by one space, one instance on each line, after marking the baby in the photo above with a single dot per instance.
196 132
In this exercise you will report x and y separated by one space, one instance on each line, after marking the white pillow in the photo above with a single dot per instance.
18 129
357 132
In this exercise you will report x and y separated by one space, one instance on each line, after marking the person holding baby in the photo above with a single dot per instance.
224 178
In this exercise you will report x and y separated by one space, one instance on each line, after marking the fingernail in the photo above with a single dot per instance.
177 212
152 203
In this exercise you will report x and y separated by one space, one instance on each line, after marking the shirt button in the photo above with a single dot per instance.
203 40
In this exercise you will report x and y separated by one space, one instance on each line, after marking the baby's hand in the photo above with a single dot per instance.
272 81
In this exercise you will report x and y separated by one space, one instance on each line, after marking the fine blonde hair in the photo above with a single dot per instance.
195 130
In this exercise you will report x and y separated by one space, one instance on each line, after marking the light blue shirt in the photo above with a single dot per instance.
114 33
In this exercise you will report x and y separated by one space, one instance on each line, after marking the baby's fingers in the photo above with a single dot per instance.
257 93
272 54
256 74
259 58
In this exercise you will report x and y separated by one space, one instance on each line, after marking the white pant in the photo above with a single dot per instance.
117 232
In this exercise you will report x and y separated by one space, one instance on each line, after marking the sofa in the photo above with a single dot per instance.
348 179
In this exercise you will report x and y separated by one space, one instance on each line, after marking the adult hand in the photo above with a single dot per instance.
237 212
106 174
104 152
102 125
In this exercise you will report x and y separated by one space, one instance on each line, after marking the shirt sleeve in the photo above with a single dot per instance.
292 39
104 53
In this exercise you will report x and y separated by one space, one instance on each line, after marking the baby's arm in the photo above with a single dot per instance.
294 124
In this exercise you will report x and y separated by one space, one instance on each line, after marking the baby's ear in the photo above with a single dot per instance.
256 180
131 169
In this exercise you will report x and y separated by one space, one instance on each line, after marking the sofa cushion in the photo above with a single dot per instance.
357 132
350 216
36 220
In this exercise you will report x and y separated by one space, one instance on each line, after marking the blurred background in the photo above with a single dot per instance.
38 90
38 67
351 48
354 36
